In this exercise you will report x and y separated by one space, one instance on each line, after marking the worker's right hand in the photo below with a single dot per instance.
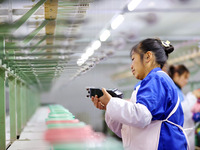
97 103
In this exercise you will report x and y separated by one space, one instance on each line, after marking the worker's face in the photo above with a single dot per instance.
137 66
182 80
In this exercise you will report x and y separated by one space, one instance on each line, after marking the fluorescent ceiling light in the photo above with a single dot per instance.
83 59
133 4
105 35
80 62
96 44
117 21
89 51
84 56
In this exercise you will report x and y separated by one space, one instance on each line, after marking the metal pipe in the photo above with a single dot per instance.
12 107
2 110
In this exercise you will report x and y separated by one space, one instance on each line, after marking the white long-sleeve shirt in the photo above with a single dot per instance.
130 113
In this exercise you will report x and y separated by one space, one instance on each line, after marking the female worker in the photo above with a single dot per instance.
153 117
180 75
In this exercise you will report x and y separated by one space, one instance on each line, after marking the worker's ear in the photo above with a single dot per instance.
176 75
148 56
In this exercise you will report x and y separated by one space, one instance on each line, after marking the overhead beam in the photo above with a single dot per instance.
35 32
7 28
51 9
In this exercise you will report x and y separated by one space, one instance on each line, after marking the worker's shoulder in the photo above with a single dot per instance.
159 76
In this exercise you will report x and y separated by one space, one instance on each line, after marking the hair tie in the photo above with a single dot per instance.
166 44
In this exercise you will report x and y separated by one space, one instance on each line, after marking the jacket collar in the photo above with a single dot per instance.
155 70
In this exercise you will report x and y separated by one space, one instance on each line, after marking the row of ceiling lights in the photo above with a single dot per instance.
105 33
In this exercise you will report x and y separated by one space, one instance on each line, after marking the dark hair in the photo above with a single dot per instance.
180 69
159 48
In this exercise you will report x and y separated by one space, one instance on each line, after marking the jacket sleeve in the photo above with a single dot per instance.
129 113
115 126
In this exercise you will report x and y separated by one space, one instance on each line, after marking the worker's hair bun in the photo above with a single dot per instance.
169 49
167 46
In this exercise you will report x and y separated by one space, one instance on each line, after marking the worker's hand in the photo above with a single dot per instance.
97 103
101 102
105 98
196 93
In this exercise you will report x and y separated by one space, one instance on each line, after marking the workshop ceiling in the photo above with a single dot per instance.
40 40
